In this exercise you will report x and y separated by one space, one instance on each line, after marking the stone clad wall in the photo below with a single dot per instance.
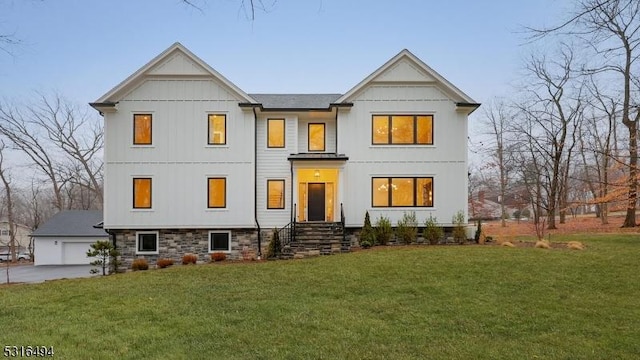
175 243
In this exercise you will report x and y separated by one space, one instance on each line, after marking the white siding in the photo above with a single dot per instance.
273 164
445 160
179 160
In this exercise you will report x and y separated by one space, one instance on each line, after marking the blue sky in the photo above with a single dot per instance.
82 48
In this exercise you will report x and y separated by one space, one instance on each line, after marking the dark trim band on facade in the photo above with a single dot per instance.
317 156
474 106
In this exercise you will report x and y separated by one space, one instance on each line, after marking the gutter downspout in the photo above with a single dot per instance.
336 120
255 180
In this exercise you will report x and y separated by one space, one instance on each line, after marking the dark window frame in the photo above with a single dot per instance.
415 191
139 235
209 192
133 182
209 129
150 129
284 133
324 137
283 194
390 127
219 232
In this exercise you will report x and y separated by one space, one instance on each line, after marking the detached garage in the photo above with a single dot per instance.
66 238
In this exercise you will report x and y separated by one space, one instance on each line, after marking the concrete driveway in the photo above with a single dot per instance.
33 274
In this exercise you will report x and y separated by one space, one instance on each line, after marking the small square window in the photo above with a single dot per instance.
219 241
147 242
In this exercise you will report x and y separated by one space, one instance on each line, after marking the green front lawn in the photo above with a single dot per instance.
427 302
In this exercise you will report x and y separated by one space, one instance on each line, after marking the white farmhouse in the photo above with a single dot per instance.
193 164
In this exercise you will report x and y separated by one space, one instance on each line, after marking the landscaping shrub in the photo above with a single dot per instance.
139 264
163 263
432 232
478 234
275 246
507 244
105 255
575 245
543 244
367 237
383 230
459 234
218 256
189 259
407 229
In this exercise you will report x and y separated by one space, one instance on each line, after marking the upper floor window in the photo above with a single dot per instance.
142 129
316 137
217 129
275 194
402 129
217 192
402 191
275 133
142 193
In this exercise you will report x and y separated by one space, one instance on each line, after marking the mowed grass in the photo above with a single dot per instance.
423 302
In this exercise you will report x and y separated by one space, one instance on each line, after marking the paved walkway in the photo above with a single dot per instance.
34 274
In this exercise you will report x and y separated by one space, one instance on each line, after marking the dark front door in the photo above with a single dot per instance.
316 202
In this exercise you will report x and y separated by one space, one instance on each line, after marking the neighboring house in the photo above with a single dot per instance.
195 164
66 237
23 236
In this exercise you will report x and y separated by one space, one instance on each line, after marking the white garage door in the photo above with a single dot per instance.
75 253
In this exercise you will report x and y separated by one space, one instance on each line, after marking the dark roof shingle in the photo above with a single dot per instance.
296 101
72 223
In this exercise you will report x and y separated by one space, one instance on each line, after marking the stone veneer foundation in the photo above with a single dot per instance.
175 243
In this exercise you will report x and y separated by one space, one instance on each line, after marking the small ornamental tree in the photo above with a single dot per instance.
367 237
459 234
407 230
432 232
105 254
383 230
275 246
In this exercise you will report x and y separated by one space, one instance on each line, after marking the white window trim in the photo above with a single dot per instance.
218 232
138 233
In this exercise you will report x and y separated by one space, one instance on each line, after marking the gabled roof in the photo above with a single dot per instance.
296 101
72 223
422 70
112 96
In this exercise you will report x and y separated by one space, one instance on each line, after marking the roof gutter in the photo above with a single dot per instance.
472 106
103 107
262 108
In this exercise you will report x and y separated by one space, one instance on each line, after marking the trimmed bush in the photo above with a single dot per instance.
139 264
367 237
189 259
163 263
275 245
459 235
407 229
432 232
478 234
218 256
383 231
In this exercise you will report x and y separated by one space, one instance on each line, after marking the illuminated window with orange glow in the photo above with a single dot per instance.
402 129
316 137
402 192
275 194
142 193
217 192
142 129
217 129
275 133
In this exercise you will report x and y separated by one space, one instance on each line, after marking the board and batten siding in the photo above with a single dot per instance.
273 164
445 160
179 159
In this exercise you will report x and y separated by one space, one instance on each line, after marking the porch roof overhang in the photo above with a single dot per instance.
317 156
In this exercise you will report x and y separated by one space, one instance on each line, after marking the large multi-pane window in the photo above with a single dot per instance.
217 192
275 194
217 124
142 193
142 129
402 129
402 191
316 137
275 133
